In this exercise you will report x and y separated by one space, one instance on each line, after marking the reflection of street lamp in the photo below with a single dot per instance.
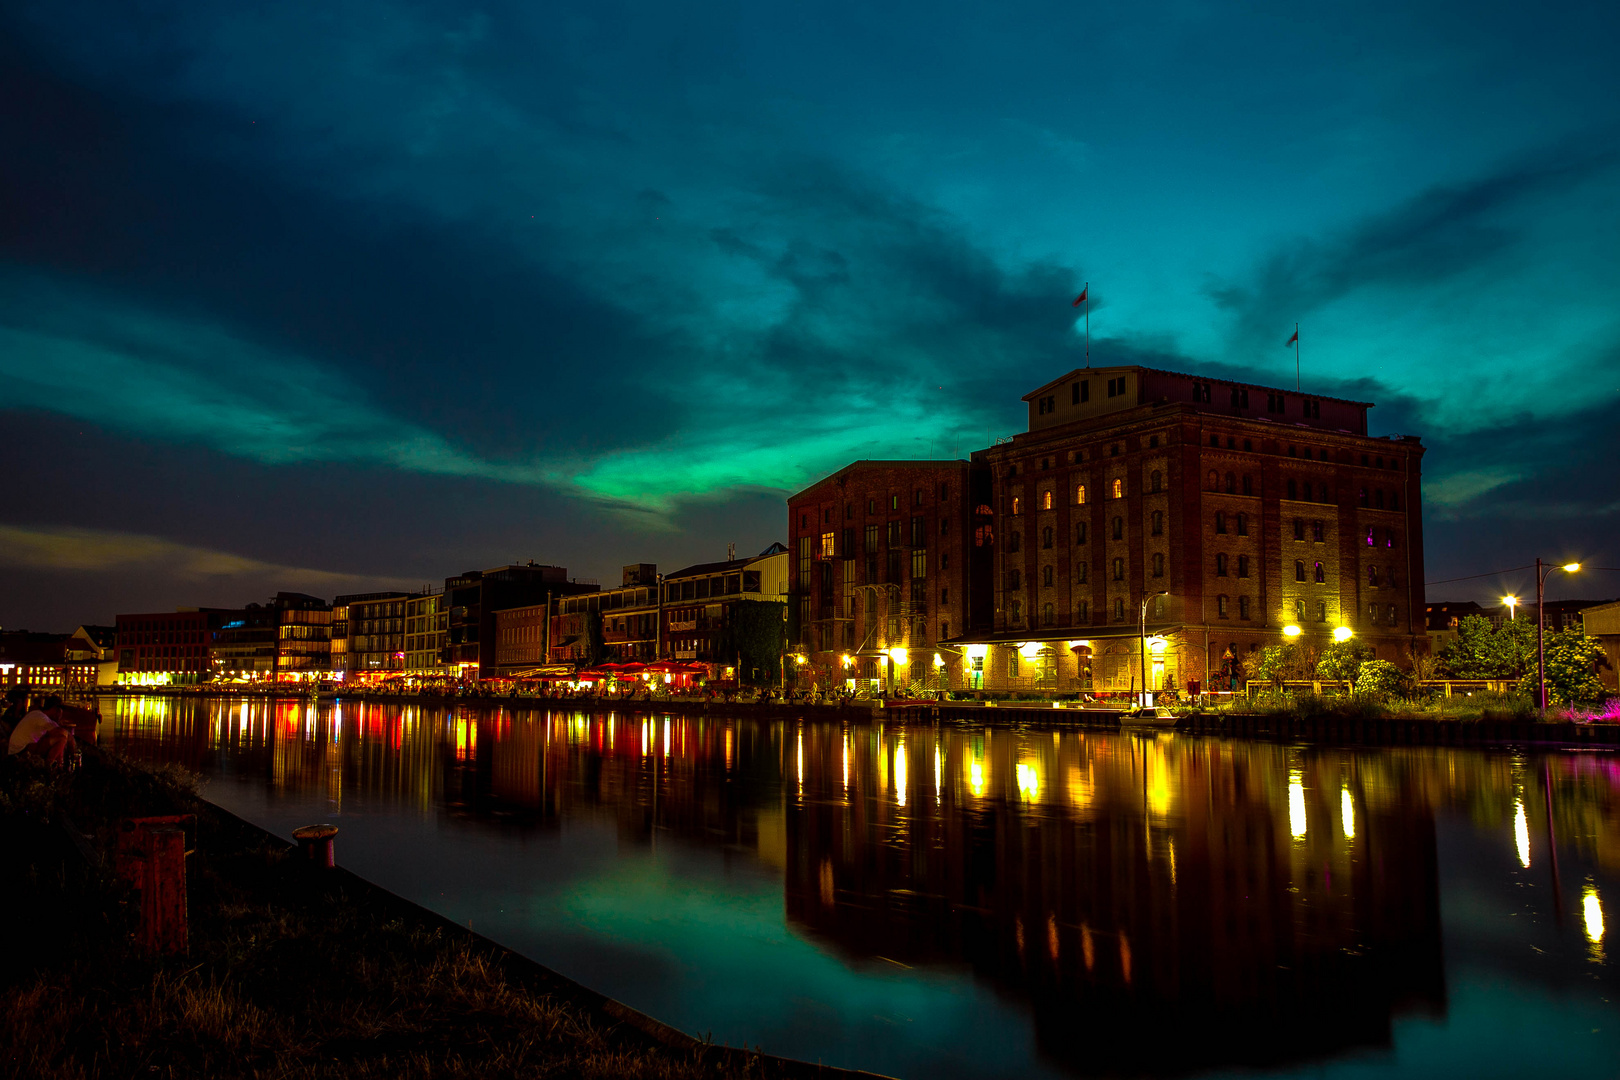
1146 698
1541 626
1512 603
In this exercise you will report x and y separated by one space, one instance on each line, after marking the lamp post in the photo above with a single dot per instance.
1146 699
1512 603
1542 571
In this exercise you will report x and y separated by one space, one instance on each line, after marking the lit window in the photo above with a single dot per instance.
1046 500
1117 489
1080 495
828 549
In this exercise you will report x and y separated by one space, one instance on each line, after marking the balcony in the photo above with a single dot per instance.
683 624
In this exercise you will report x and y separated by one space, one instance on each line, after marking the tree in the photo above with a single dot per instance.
755 640
1481 652
1379 678
1573 661
1342 660
1278 662
594 645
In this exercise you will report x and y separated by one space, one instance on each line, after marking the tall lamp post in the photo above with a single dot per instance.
1146 699
1542 572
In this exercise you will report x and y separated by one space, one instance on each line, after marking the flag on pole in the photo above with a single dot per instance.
1291 340
1082 297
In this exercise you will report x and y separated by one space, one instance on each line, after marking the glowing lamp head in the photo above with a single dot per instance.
1291 630
898 654
939 661
847 660
1029 650
1510 600
1572 566
1342 633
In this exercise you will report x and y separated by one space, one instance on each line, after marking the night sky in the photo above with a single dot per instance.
348 295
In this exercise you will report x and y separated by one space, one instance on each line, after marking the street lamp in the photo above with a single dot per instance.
1342 633
1291 631
1542 571
1512 603
1147 699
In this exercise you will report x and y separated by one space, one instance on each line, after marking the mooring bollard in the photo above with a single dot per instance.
151 856
315 843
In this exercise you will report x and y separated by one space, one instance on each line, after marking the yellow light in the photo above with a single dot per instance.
1572 566
1081 644
898 654
1157 644
1521 834
1029 649
847 660
1347 811
1510 600
1342 633
939 661
1291 630
977 651
1592 913
1029 781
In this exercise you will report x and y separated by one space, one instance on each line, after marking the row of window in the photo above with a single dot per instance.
918 498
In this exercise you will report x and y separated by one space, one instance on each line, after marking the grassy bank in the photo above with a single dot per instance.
291 972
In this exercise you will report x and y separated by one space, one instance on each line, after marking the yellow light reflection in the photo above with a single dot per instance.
666 747
900 771
1521 833
1296 803
846 761
1029 780
975 776
939 764
799 760
1347 812
1592 914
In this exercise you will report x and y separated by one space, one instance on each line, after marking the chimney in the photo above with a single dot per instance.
731 552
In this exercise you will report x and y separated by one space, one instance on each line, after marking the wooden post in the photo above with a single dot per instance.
163 892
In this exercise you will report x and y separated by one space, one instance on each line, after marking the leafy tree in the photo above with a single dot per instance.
1278 662
1482 652
1379 678
1573 661
756 639
594 645
1342 660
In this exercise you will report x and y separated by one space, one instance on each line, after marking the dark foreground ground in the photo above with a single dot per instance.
291 971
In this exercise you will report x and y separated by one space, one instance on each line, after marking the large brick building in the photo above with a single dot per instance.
1227 511
881 571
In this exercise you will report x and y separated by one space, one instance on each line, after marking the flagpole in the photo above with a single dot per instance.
1296 358
1088 324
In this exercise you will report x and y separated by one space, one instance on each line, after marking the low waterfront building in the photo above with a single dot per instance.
472 599
168 648
1602 621
609 626
287 640
42 662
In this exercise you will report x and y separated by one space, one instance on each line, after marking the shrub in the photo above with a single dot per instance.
1378 678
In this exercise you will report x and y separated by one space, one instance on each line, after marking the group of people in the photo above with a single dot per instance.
36 729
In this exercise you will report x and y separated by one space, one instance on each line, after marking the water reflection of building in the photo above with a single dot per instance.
1163 906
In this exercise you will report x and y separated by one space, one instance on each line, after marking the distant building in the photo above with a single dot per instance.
41 662
425 623
731 613
368 635
168 648
520 641
625 620
287 640
883 559
472 599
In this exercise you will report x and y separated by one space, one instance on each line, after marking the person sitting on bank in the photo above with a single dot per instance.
40 733
16 709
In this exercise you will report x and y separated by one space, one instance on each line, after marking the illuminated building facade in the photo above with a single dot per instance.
883 569
623 621
168 648
368 634
425 623
42 662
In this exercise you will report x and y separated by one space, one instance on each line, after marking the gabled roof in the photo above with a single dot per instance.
700 569
880 463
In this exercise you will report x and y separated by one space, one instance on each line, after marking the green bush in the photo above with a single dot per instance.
1379 678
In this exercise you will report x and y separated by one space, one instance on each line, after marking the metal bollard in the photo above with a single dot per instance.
315 843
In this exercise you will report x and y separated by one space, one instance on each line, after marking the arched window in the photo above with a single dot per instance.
1299 570
1158 480
1321 574
1243 524
1372 576
1158 607
1214 480
1372 611
1080 572
1017 611
1119 528
1080 533
1243 607
1117 489
1046 500
1220 607
1392 617
1017 505
1048 615
1080 495
1082 611
1299 611
1220 564
1119 610
1158 564
1389 576
1248 481
1119 569
1293 490
1158 523
1231 484
1012 541
1299 528
1321 611
1046 537
1046 576
1220 521
1014 580
1243 566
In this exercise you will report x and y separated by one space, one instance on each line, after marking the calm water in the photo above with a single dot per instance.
962 902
